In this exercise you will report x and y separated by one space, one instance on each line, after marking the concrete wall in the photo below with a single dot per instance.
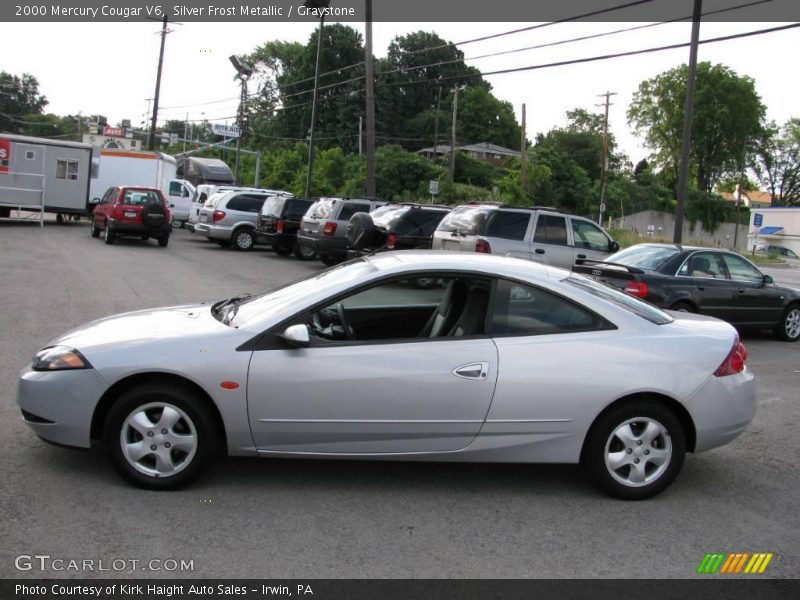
661 226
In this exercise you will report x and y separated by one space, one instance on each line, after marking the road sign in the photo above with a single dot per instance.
758 219
231 131
433 187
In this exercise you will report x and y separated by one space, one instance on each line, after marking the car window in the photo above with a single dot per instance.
409 309
509 225
702 264
551 229
419 223
321 209
246 203
741 270
643 256
386 217
175 188
273 206
526 310
467 220
141 197
588 235
295 209
106 196
349 209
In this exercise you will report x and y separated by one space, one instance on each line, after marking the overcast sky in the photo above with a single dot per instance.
109 68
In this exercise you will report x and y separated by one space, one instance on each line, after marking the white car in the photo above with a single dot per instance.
502 360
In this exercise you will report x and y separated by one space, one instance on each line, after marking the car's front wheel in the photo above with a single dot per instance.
160 437
636 450
788 329
95 230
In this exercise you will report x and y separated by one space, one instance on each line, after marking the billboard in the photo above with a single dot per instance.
5 155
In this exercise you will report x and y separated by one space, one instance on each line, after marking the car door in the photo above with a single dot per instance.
402 392
757 303
179 200
588 240
703 278
550 243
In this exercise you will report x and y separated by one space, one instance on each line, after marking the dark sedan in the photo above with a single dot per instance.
710 281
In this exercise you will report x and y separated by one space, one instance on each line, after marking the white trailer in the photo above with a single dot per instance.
152 169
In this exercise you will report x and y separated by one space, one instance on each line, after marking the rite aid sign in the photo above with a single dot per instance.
231 131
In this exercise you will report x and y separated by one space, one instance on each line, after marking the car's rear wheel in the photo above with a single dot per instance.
243 239
108 234
160 437
788 329
95 230
636 450
304 252
683 307
163 241
281 250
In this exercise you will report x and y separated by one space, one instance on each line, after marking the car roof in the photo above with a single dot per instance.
139 188
680 247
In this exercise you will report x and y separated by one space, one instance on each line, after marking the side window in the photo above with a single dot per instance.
246 203
202 199
588 235
551 229
107 196
253 203
525 310
741 270
422 308
509 225
702 264
349 209
175 188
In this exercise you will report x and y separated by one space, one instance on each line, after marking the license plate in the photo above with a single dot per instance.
448 245
130 213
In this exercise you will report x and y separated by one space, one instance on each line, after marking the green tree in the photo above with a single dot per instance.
777 162
727 112
484 118
19 97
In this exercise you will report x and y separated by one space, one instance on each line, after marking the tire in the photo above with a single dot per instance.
163 241
329 260
659 453
177 224
304 252
788 330
60 219
5 213
180 454
95 230
360 231
281 250
243 239
683 307
108 235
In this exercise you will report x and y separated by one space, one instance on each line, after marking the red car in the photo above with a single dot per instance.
132 211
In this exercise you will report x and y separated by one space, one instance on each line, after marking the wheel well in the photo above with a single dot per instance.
684 301
675 407
123 385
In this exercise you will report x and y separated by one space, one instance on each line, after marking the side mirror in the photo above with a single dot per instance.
297 336
613 246
768 279
95 200
172 205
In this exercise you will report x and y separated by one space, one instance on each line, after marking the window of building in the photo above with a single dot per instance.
67 169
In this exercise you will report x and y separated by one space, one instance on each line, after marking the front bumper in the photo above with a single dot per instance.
722 408
60 404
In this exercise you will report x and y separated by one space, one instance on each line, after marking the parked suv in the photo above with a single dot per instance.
132 211
541 234
394 227
230 218
324 227
279 222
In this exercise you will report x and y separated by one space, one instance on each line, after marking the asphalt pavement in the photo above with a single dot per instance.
270 518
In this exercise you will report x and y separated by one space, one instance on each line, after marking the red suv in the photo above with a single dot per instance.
132 211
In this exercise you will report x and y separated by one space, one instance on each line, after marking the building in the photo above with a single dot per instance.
753 199
113 138
487 151
775 227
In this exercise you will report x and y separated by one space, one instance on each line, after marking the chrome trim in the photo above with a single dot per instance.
529 420
389 421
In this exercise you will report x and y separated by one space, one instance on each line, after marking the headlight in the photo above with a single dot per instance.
59 358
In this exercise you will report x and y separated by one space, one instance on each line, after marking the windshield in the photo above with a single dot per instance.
387 216
643 256
467 220
280 302
321 209
626 301
273 206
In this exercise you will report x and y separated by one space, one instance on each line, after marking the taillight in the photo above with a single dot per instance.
636 288
391 241
483 247
218 215
279 226
735 361
329 228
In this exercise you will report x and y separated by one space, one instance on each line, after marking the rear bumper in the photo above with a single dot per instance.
213 232
276 239
331 246
123 228
722 408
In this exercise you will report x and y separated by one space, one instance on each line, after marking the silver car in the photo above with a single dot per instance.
230 218
502 360
539 234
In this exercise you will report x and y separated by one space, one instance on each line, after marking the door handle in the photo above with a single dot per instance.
581 256
477 370
539 251
742 291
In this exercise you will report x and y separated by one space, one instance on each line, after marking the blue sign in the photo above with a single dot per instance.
758 219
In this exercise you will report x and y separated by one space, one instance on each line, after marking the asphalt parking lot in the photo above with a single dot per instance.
306 518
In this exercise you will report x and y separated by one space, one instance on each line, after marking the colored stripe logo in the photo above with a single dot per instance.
734 563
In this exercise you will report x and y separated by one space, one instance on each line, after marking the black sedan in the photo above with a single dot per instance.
710 281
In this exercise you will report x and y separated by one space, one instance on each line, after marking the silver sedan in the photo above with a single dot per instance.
418 355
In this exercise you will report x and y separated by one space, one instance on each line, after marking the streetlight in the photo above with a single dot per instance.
311 4
245 70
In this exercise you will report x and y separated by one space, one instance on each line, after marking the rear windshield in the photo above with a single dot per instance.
141 197
643 256
467 220
321 209
387 216
213 199
626 301
273 206
296 208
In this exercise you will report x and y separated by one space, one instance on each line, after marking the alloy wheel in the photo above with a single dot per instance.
792 323
158 439
638 451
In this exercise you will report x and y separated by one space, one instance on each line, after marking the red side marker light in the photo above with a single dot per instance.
229 385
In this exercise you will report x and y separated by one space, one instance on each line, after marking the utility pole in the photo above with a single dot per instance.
436 125
240 123
360 130
185 131
522 144
739 195
164 32
314 109
604 158
369 73
453 135
686 137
